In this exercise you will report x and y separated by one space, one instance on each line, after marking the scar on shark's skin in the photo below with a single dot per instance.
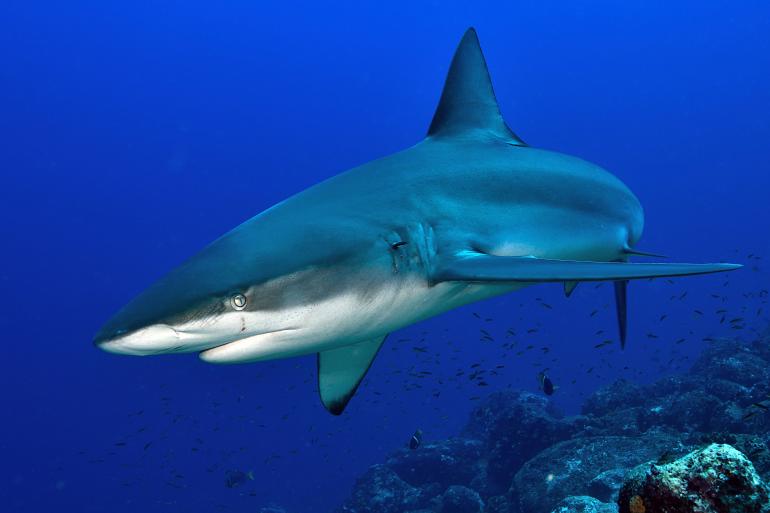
504 215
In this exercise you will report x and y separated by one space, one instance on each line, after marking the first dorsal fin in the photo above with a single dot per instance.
468 101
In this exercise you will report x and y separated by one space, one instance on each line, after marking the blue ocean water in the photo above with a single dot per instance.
135 133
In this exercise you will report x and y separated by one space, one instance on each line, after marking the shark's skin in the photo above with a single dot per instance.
386 244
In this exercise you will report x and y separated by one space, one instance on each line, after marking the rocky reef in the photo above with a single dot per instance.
715 479
696 442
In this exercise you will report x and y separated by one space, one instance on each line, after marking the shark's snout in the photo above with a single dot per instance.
158 338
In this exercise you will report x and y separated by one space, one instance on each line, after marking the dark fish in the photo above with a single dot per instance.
235 478
416 440
546 385
749 415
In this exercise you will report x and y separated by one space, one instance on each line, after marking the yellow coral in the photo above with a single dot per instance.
636 504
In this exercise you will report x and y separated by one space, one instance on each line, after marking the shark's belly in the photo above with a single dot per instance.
351 317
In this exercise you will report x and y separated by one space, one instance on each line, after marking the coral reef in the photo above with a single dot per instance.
700 438
583 504
569 467
716 479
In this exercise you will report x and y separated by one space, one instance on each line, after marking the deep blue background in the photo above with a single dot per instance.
134 133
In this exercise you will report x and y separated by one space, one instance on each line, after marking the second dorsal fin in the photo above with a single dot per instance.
468 101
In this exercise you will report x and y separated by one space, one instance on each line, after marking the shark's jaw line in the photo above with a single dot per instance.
468 213
163 339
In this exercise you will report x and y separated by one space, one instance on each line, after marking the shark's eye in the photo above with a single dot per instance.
238 301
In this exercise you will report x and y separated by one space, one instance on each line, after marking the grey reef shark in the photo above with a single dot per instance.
468 213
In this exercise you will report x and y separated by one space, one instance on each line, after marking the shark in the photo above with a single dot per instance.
468 213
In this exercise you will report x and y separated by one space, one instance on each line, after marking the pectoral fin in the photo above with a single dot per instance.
341 370
483 268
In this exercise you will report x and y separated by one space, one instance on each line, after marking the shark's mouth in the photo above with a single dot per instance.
256 347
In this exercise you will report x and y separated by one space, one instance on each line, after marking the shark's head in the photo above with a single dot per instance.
193 308
167 318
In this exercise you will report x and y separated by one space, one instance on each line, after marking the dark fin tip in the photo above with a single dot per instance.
337 407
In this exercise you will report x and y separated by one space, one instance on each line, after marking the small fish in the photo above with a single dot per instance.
416 440
749 415
546 385
235 478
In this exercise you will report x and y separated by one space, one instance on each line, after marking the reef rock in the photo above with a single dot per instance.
569 468
459 499
454 461
716 479
755 447
380 490
606 485
732 360
498 504
514 427
519 454
583 504
620 395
